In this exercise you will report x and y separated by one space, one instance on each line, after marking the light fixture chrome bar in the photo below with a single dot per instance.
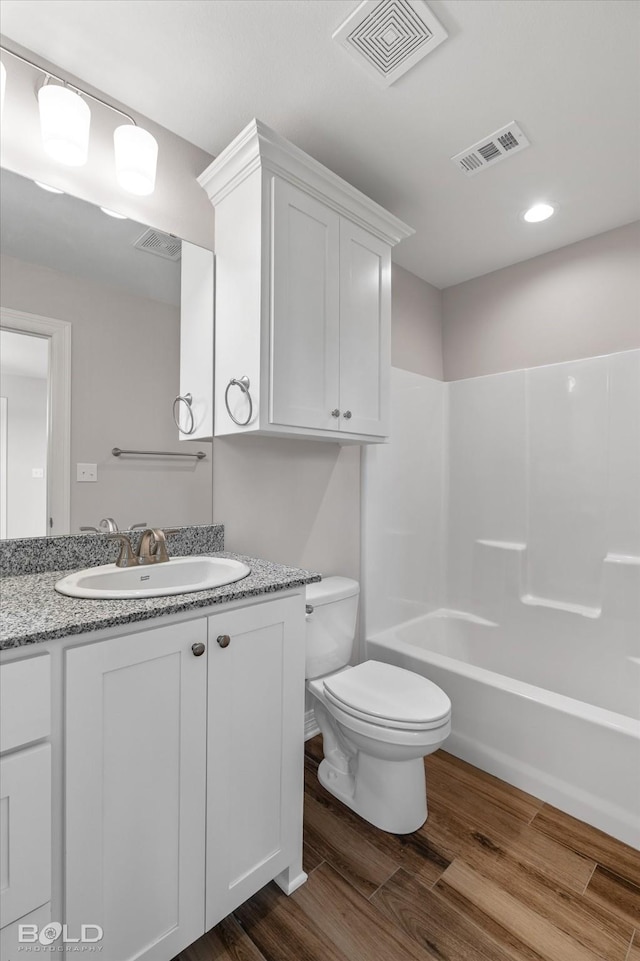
159 453
48 75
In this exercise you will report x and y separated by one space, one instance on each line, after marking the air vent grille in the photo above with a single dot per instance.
487 152
387 37
161 244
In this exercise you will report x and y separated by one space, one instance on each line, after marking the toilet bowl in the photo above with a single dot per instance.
377 721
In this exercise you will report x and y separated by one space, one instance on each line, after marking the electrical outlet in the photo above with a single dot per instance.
86 472
37 471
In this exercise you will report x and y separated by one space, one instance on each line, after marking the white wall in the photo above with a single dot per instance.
26 449
535 479
125 374
547 459
404 506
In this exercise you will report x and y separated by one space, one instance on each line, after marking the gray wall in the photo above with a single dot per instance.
416 336
580 301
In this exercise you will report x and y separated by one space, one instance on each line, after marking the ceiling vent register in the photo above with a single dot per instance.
161 244
388 37
485 153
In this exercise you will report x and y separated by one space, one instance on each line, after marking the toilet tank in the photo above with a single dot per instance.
330 625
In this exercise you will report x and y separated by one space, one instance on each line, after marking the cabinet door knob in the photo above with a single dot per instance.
335 412
198 649
347 415
224 640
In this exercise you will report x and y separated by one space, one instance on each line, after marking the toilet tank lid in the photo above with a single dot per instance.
331 589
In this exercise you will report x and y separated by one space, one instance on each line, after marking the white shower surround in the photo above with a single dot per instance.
501 559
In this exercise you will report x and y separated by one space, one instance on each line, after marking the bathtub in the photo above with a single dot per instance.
581 757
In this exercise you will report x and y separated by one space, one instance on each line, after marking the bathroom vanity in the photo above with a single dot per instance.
153 766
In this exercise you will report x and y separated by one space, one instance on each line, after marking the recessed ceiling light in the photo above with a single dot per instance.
112 213
539 212
52 190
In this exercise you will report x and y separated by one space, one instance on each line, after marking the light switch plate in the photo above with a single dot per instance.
86 472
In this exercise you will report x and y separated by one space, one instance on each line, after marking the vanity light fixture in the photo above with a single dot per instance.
136 159
52 190
65 119
538 213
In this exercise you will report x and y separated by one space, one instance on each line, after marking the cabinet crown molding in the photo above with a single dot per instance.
260 147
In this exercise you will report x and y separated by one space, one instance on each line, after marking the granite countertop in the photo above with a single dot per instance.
32 611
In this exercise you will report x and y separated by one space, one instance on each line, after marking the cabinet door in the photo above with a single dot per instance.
365 331
196 342
135 790
304 323
255 753
25 832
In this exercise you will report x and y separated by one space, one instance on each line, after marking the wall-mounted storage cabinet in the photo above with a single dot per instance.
303 296
193 410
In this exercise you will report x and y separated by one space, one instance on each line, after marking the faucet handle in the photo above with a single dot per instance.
153 546
139 525
126 557
161 554
109 525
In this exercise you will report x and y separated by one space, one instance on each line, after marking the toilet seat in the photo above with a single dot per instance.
388 697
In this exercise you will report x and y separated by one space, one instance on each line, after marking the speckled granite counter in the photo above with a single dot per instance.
31 610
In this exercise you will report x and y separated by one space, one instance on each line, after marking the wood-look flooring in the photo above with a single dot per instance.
493 875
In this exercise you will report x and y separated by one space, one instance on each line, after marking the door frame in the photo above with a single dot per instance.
58 410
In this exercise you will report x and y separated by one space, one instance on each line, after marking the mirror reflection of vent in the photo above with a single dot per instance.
504 142
388 37
161 244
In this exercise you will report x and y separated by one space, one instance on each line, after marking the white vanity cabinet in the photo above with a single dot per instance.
255 753
135 721
25 799
183 775
303 295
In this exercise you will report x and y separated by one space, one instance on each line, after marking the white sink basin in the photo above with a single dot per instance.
179 575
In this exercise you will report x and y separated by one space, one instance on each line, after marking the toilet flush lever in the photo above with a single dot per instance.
308 609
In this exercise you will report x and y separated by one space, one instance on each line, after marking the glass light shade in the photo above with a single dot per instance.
539 212
64 123
136 153
3 83
48 187
113 213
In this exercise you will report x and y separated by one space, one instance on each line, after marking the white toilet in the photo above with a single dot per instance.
377 721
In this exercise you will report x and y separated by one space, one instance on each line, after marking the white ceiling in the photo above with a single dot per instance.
568 71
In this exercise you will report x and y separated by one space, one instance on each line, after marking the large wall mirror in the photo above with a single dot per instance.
90 308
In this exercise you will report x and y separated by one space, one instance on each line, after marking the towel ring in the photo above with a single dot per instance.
188 400
243 383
